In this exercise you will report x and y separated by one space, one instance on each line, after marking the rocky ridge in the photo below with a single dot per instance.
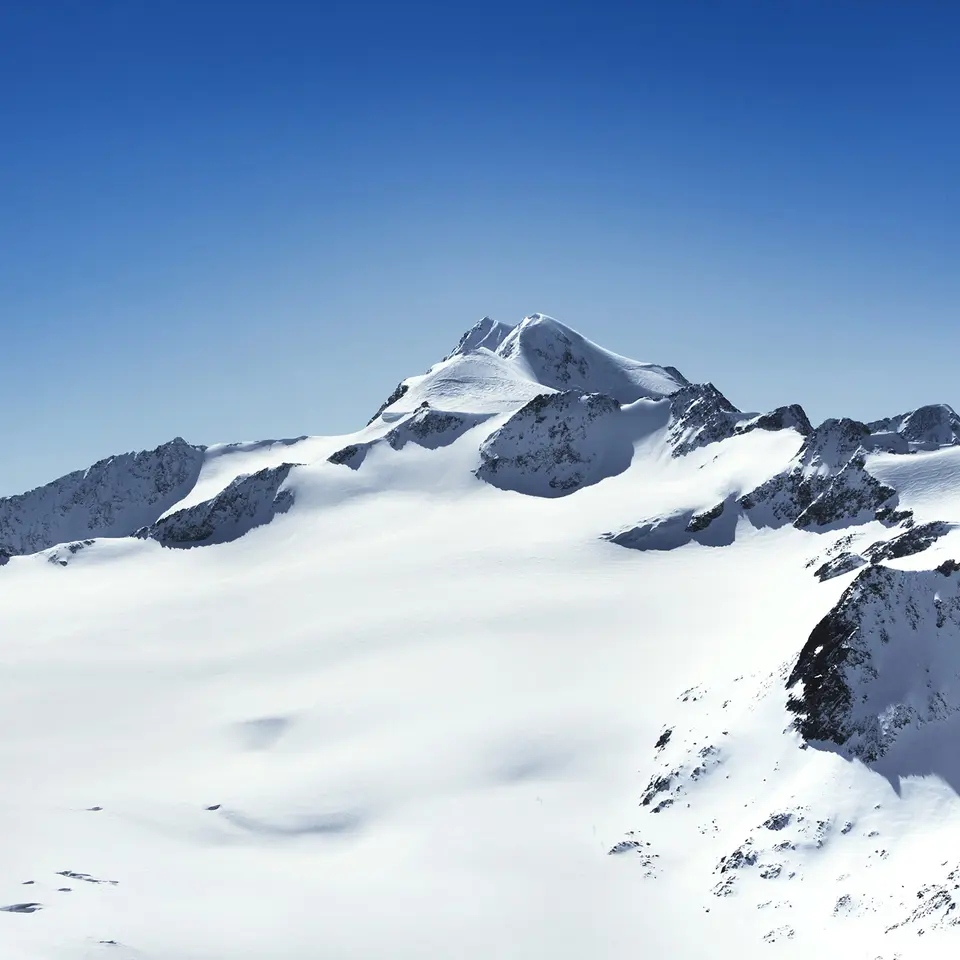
246 502
556 444
113 498
885 658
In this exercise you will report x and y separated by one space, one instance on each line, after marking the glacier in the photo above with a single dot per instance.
560 654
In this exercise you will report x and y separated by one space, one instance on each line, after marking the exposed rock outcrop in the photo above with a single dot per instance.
827 482
700 414
425 427
556 444
883 659
926 428
249 501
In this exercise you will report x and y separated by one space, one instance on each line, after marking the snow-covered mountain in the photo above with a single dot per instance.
560 655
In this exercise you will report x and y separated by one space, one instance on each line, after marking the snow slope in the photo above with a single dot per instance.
389 708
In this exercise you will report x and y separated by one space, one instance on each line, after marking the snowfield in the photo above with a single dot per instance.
388 700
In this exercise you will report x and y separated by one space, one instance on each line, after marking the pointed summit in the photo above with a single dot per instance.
486 333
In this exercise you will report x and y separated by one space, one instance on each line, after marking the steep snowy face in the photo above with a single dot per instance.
486 334
113 498
556 444
555 356
884 660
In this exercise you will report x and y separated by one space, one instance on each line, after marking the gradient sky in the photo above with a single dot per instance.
237 220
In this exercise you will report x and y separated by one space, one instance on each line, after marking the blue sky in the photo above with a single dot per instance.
238 220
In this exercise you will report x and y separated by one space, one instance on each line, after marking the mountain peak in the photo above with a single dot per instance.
487 333
556 356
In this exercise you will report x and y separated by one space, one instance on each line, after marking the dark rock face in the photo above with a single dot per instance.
852 495
556 444
700 521
827 483
884 659
838 566
925 428
891 517
912 541
431 428
700 415
426 427
398 392
113 498
824 706
783 418
915 540
350 456
936 424
249 501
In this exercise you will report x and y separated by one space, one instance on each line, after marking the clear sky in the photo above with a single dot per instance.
238 220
